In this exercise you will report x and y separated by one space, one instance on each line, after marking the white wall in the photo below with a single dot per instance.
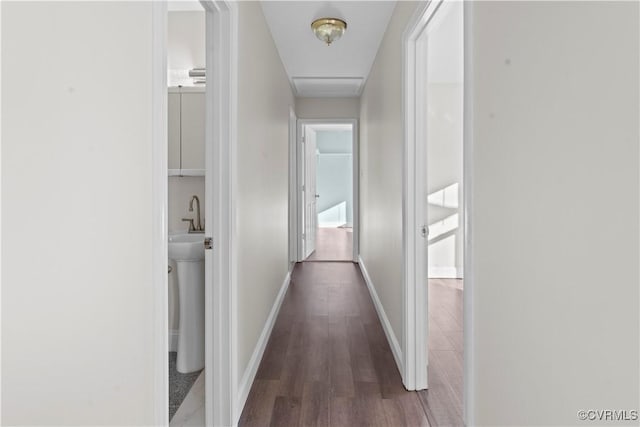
263 171
381 135
555 227
328 108
444 142
77 318
185 44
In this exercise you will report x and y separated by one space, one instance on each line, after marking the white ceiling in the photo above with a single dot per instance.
318 70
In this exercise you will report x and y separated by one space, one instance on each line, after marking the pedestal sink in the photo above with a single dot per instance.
187 250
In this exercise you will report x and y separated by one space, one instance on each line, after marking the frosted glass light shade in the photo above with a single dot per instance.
328 29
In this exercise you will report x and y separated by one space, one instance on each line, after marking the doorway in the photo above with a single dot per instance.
215 399
437 251
444 189
186 74
328 181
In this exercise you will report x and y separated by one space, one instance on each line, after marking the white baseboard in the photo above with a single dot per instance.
388 330
445 273
173 339
258 352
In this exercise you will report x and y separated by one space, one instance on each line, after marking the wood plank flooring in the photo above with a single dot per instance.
328 362
333 244
443 400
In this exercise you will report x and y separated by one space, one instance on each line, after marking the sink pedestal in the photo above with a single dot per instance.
191 329
187 250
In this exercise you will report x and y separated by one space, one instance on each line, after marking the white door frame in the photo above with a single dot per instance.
415 290
220 153
221 382
299 176
309 151
160 246
293 193
415 353
468 400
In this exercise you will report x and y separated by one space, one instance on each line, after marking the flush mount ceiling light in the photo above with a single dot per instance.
328 29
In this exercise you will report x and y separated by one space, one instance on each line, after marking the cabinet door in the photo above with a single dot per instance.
174 130
193 123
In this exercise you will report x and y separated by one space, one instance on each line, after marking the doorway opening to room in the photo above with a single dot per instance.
186 196
435 207
444 211
444 188
328 187
194 92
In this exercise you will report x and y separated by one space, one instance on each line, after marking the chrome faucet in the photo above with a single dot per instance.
197 228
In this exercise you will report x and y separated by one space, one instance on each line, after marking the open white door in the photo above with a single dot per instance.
433 84
310 196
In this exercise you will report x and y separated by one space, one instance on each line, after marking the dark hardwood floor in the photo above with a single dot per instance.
328 363
443 400
333 244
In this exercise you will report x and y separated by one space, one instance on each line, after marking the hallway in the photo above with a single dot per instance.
327 362
333 244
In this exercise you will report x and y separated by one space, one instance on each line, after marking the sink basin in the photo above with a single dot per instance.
186 247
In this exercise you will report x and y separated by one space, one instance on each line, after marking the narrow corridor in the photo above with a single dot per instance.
327 362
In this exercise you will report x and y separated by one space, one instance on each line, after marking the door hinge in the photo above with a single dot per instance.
303 188
303 139
304 236
424 230
208 243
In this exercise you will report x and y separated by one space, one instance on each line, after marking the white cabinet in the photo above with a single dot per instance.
174 131
186 108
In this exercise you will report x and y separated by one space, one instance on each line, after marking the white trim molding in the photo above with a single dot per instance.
468 399
355 220
258 352
159 189
415 253
386 325
220 292
299 176
1 212
293 182
415 298
221 324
